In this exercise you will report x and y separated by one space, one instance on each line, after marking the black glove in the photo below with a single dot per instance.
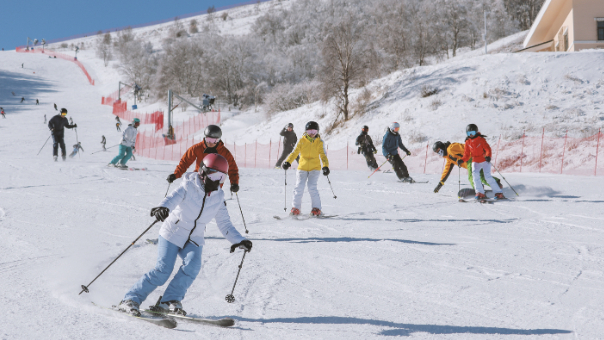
245 245
171 178
440 185
75 125
286 165
389 157
488 159
161 213
325 171
408 153
234 187
459 162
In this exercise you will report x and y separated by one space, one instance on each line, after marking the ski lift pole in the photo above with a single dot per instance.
85 288
44 144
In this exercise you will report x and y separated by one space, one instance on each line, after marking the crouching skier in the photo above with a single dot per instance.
185 213
312 153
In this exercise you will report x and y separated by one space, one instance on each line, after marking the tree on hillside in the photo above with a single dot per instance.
182 68
103 48
342 63
523 11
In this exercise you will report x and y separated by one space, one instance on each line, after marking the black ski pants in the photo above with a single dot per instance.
399 167
370 159
284 155
56 142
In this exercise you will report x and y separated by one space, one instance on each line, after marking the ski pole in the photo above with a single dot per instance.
285 192
230 298
77 142
167 190
459 181
334 194
504 179
243 218
85 288
44 144
376 170
105 149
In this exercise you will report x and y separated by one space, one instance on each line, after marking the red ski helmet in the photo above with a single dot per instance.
214 162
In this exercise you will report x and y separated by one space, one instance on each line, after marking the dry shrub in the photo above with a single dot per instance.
359 106
435 104
573 78
286 97
428 91
551 107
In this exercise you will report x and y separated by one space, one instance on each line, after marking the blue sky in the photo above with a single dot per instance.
52 19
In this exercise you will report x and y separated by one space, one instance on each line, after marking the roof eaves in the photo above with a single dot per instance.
536 22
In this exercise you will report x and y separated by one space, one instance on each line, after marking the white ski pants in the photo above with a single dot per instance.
312 178
486 166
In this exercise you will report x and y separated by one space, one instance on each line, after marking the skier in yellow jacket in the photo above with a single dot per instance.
452 152
312 153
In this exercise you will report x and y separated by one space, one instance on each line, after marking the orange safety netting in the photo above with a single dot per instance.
58 55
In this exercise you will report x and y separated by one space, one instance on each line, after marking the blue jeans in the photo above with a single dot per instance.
124 155
166 258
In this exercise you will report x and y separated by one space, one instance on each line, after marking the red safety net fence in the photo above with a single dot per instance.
58 55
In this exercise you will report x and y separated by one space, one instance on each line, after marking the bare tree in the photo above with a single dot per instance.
342 63
103 48
456 20
181 68
523 11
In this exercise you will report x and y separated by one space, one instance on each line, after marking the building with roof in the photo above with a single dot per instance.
567 25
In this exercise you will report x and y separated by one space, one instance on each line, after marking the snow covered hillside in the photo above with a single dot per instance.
396 261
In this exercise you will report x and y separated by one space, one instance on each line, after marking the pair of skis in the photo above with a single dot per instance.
302 217
168 320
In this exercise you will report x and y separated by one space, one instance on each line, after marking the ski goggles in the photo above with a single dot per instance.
212 140
471 133
396 129
215 175
63 113
312 132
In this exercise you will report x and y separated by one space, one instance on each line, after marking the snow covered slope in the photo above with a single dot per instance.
398 260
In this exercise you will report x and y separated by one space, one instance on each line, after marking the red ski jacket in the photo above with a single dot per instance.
477 148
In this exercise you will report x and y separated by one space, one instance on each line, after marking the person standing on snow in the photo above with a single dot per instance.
4 114
289 142
118 124
22 99
44 118
312 152
390 145
103 141
479 150
452 152
126 146
56 107
211 144
185 214
365 144
57 125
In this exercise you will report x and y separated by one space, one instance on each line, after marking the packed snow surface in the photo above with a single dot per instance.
397 260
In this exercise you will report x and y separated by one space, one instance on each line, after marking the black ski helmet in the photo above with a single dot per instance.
365 128
312 126
290 125
213 131
63 110
439 146
471 127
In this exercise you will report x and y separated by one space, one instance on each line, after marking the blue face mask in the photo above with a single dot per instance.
471 133
441 153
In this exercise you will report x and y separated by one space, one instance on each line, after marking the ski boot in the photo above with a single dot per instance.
169 307
55 158
111 165
407 180
129 307
121 166
277 167
294 212
499 196
316 212
480 197
63 156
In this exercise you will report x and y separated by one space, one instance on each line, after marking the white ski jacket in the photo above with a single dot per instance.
191 209
129 136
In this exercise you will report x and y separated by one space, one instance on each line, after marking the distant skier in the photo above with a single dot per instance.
211 144
365 144
452 152
390 145
76 149
13 93
2 113
21 65
126 146
118 124
103 142
182 235
289 142
57 125
312 152
479 150
71 120
22 99
56 107
37 102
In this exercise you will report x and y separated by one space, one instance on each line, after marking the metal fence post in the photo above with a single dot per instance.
426 160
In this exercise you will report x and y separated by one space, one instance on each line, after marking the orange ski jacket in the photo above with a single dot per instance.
196 153
477 148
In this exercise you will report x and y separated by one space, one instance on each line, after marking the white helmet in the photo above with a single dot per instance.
393 126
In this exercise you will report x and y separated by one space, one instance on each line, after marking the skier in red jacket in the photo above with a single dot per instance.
480 151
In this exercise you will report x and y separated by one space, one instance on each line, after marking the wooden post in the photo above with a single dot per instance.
563 151
426 160
541 153
597 149
522 152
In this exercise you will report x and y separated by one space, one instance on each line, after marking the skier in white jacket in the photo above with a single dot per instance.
185 213
127 145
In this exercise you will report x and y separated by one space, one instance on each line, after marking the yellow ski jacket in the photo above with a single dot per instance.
455 151
312 153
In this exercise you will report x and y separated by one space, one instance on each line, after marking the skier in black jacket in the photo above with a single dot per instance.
57 125
366 146
289 143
